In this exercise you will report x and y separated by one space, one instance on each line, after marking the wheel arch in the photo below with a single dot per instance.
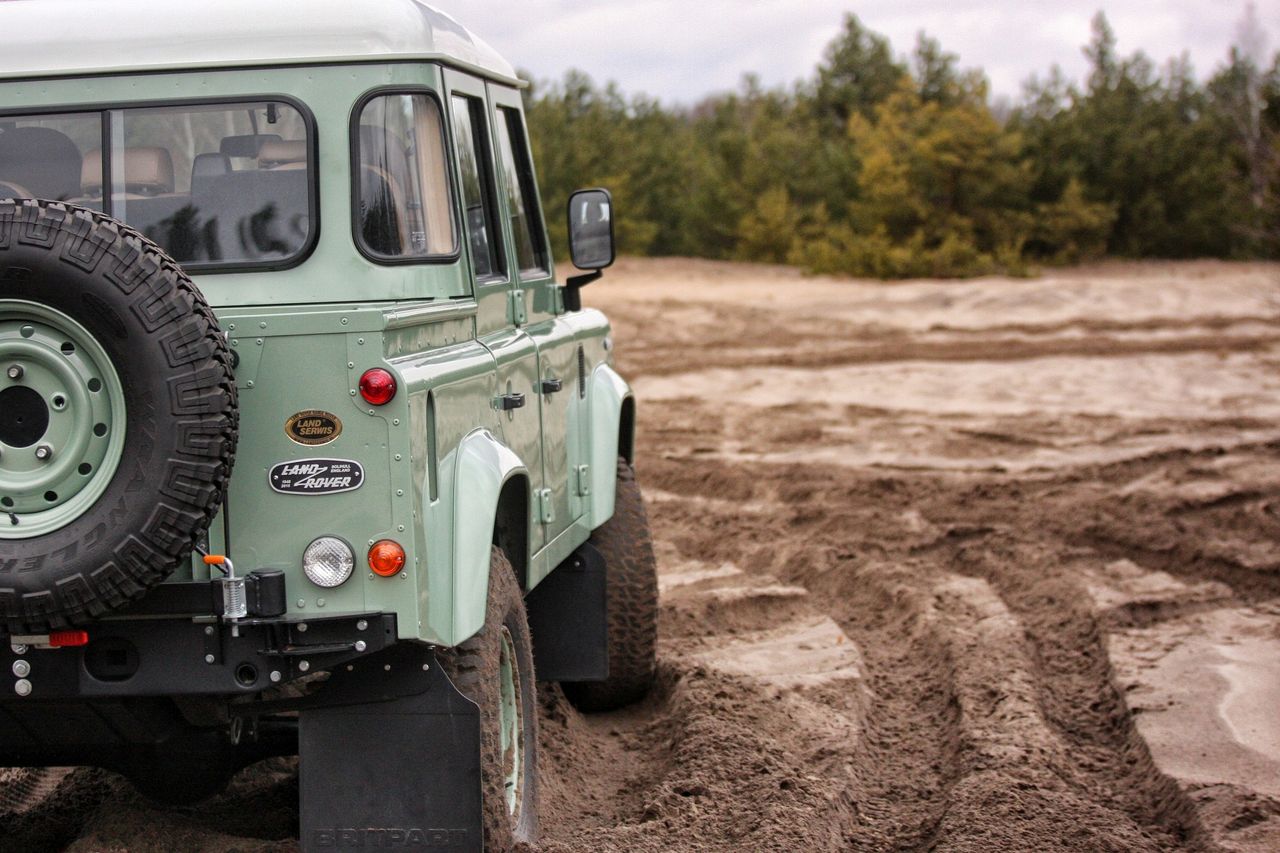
612 418
627 431
491 507
511 525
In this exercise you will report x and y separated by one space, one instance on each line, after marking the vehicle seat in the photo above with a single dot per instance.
252 214
209 166
279 154
42 161
384 170
383 222
148 173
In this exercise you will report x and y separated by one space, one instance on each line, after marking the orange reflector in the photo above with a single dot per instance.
59 639
214 559
386 558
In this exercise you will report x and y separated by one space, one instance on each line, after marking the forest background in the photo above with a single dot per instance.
897 166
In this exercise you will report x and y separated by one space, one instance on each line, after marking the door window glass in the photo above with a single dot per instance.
522 204
477 187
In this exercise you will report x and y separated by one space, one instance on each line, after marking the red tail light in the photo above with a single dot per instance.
60 639
377 386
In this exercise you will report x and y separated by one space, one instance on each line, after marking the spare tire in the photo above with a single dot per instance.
118 415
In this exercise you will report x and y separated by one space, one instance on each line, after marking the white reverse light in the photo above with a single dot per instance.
328 561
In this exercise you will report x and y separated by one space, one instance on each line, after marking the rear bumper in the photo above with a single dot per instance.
191 656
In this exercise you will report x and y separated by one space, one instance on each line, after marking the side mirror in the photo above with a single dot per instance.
591 229
591 244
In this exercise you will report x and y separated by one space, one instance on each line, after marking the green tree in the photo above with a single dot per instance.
944 187
857 73
885 167
1145 145
1245 95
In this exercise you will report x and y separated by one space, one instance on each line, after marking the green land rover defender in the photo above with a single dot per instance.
303 448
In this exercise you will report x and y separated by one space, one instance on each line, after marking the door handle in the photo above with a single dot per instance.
512 401
552 386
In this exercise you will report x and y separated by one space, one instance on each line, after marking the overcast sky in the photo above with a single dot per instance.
680 50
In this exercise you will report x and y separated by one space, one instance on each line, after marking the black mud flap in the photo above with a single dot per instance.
392 759
569 620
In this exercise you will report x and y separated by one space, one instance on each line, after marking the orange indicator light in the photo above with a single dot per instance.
386 558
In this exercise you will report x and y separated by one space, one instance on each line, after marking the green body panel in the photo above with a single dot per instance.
437 457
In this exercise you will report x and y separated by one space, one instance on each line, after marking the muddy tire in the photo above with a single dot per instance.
118 417
627 547
495 670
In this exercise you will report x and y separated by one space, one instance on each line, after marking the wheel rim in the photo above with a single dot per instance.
62 419
511 725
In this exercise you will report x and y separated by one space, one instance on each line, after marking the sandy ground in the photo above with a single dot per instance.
945 565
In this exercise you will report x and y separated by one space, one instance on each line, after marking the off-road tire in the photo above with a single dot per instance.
632 603
474 667
180 414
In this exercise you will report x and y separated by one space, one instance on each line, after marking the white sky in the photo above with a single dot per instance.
679 50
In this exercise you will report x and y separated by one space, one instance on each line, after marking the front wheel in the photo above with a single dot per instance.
494 669
627 548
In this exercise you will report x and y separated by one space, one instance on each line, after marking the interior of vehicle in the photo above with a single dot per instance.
38 162
205 195
403 208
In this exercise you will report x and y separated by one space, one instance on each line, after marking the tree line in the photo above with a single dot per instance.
889 167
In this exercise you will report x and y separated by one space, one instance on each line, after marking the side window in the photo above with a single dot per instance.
522 198
477 187
213 183
402 189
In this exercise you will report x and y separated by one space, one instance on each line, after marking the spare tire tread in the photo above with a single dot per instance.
165 303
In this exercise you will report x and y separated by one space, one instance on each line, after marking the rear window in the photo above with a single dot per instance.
215 185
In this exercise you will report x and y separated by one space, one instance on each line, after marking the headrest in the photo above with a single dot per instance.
275 153
210 166
41 159
147 171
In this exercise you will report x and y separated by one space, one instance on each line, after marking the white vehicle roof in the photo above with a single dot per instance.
45 38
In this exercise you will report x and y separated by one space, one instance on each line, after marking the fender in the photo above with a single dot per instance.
484 466
608 392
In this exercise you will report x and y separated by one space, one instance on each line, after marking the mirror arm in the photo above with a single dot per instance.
573 289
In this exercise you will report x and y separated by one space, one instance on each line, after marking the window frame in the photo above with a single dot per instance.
482 139
104 110
353 145
522 154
